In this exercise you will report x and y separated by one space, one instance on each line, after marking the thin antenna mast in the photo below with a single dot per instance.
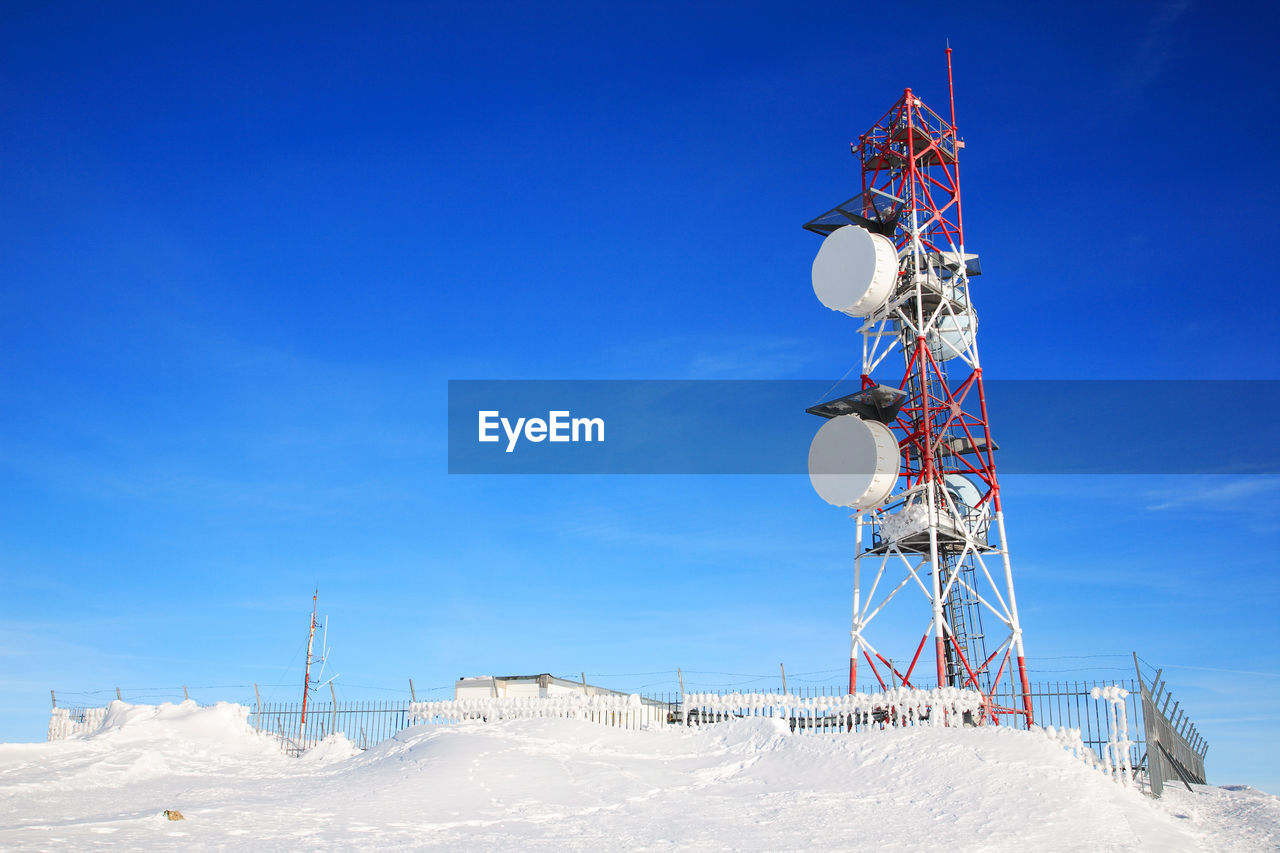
306 678
951 88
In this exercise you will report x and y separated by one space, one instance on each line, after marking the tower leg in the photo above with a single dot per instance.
1013 612
857 607
935 572
1026 686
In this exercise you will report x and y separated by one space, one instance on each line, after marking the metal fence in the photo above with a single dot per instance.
1070 705
365 724
1175 748
1164 742
70 722
617 710
839 713
1063 704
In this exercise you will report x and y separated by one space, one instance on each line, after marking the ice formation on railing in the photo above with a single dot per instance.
1072 742
900 706
64 724
896 707
1114 760
615 710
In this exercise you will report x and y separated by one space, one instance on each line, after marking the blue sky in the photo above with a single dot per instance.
245 248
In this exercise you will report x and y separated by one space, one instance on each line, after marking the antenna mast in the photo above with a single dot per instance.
306 678
951 88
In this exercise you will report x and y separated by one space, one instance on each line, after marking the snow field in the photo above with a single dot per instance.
567 784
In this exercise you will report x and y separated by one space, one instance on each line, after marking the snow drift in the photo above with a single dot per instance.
567 784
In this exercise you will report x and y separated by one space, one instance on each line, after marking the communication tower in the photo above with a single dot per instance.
913 456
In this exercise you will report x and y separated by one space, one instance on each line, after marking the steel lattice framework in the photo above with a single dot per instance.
935 535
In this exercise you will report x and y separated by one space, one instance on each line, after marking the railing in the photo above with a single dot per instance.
69 722
365 724
813 709
618 711
1061 704
1113 759
1161 738
1072 705
1174 748
895 708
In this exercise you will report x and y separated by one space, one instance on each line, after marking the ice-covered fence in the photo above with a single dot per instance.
900 706
1071 705
621 711
69 722
1113 759
363 723
1072 742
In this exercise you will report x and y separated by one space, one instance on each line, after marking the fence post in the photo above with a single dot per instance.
333 715
54 697
783 667
186 697
412 693
118 696
684 712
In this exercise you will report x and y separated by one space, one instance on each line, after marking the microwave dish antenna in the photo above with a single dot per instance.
952 335
855 271
854 463
964 491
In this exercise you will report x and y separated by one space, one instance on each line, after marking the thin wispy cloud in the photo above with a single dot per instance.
752 358
714 357
1152 51
1231 495
1224 670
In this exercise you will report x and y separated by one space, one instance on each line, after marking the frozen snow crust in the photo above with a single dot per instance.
567 784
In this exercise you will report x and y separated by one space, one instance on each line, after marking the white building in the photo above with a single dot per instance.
521 686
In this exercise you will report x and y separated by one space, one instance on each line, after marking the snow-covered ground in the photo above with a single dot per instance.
562 784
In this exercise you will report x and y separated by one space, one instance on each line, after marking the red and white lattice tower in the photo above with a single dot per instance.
912 454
